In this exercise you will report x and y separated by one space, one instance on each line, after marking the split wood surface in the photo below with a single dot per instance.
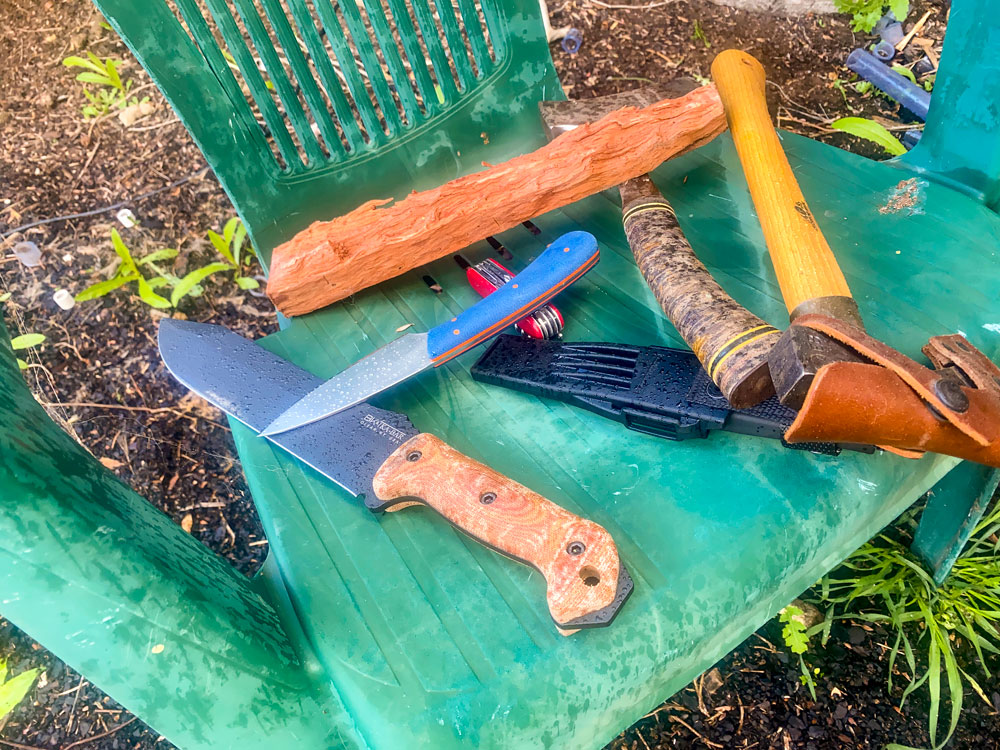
331 260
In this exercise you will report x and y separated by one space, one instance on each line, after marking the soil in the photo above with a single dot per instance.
101 375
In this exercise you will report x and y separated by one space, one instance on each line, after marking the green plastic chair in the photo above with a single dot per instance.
390 632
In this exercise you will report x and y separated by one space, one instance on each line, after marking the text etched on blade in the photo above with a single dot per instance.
383 428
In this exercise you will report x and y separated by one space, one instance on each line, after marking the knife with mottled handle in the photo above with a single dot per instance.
563 262
380 456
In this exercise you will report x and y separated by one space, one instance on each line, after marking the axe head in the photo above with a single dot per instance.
562 116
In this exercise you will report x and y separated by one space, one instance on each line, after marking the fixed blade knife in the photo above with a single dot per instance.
563 262
380 456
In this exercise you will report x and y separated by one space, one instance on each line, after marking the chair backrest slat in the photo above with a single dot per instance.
350 69
332 84
292 47
456 46
416 56
279 79
202 37
370 63
244 59
390 53
474 30
436 50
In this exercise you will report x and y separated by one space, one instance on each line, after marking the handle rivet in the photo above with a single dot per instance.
487 497
951 395
413 456
576 548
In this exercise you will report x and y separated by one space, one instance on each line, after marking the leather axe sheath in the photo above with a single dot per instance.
889 400
731 342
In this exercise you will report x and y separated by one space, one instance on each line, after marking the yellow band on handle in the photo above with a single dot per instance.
802 259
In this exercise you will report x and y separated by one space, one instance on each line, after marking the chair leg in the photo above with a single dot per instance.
954 507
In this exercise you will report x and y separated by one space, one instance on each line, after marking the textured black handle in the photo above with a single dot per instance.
731 342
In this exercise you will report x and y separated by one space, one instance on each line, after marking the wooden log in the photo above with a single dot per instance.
331 260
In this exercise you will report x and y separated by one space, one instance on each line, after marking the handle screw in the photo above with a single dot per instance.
951 395
413 456
487 497
576 548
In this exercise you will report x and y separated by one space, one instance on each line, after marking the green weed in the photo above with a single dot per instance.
882 583
15 689
866 13
25 341
699 34
796 637
870 131
231 245
112 92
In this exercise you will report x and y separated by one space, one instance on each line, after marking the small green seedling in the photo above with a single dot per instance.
26 341
230 245
14 690
113 92
699 34
128 272
796 636
866 13
870 131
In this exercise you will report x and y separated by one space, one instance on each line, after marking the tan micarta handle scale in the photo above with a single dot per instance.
577 558
803 261
730 341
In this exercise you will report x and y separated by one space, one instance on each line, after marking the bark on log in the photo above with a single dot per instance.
331 260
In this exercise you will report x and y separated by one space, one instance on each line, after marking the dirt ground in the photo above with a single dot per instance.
100 370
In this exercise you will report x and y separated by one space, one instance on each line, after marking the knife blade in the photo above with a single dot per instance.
380 456
563 262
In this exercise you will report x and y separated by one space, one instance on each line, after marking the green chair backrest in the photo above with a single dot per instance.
307 109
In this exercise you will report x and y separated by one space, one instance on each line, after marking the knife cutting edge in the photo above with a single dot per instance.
379 455
563 262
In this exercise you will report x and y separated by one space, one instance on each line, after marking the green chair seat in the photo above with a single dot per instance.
397 631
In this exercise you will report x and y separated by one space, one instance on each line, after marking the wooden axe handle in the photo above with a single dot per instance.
803 261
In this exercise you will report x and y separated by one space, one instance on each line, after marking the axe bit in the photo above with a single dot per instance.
731 343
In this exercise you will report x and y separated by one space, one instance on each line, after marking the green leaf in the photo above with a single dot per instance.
99 78
229 229
22 364
15 689
794 631
103 287
904 71
122 250
75 62
5 296
164 254
239 237
3 671
158 282
194 278
220 244
244 282
26 341
151 298
870 131
900 9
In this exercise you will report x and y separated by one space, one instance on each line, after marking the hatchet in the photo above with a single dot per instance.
731 342
847 386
